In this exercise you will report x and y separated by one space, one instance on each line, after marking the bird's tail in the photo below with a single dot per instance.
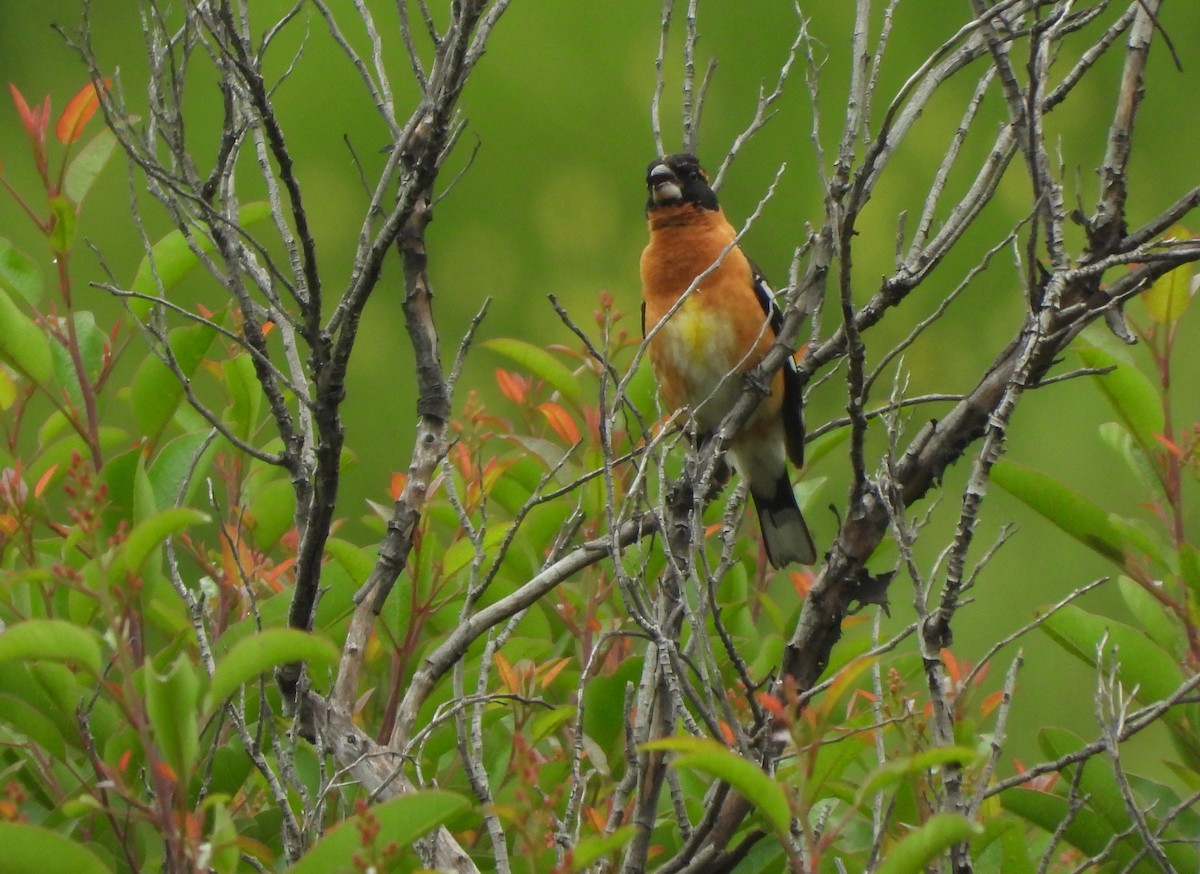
785 534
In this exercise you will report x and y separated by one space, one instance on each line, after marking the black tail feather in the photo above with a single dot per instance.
785 533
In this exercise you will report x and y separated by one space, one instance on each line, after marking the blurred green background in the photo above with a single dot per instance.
552 204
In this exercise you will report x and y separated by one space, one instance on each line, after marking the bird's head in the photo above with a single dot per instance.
678 180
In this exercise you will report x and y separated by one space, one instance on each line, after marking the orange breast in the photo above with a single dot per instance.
718 333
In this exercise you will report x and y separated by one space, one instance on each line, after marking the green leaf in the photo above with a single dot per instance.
245 395
1117 437
1005 841
461 552
1168 298
52 639
1086 831
823 445
147 535
1067 509
156 390
8 389
259 653
1132 396
224 841
272 506
603 705
62 234
92 343
919 763
710 757
1099 786
940 832
356 561
541 364
31 849
1141 662
171 702
594 848
1189 568
1097 781
1144 669
18 714
86 166
19 274
1160 625
175 463
402 819
170 259
545 724
22 343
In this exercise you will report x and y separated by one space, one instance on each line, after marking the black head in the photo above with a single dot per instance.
674 180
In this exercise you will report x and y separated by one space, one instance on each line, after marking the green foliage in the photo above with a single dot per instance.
147 556
1150 662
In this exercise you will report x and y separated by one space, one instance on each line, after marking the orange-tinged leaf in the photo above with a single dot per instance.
951 664
802 581
991 702
560 420
79 110
1170 445
508 677
595 818
28 116
552 671
166 771
40 485
8 524
726 732
462 459
770 703
399 481
858 694
511 386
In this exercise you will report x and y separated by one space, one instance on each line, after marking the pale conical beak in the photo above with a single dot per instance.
664 186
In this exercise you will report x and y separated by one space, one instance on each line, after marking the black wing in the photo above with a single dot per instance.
793 397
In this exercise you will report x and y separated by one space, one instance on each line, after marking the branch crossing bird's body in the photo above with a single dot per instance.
720 331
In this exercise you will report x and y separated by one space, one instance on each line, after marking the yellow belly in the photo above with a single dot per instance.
693 354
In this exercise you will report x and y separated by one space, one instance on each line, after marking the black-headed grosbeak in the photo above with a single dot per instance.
721 331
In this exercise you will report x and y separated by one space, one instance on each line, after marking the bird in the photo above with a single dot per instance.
721 331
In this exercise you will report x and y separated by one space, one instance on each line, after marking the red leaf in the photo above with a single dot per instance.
80 108
562 423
